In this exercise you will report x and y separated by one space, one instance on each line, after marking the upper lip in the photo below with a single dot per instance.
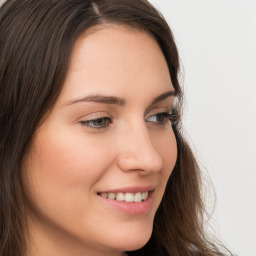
133 189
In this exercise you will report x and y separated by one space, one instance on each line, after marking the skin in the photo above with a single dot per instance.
69 163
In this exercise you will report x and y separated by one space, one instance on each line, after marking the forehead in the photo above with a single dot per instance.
111 58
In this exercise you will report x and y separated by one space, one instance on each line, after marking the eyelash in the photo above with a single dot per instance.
89 123
168 117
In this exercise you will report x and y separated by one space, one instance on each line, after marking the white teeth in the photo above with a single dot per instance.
111 195
144 195
105 195
127 197
120 197
137 197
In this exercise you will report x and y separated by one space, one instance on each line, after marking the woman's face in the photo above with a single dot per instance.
98 166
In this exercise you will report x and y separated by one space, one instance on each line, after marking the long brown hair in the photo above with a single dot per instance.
36 41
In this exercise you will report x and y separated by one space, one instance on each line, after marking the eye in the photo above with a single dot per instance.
162 118
98 123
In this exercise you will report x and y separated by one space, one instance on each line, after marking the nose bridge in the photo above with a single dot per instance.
138 152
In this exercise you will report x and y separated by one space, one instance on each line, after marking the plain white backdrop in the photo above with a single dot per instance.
217 44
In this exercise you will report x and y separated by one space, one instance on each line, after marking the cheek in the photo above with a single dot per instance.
167 148
61 167
65 156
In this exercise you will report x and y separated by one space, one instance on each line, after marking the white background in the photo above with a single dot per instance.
217 44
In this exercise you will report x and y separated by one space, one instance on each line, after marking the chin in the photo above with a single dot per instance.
135 245
134 240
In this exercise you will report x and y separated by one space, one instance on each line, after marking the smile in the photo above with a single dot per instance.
130 200
127 197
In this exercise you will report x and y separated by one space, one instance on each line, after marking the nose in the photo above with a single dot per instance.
137 152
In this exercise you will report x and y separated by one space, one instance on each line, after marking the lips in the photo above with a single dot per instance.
130 200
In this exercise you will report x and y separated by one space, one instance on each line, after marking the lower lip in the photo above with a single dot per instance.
131 208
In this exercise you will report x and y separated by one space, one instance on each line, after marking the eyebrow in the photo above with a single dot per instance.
112 100
98 98
164 96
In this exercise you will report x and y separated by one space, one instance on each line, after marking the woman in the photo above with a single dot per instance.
93 161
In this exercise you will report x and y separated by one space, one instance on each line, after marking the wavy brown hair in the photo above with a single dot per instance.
36 42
